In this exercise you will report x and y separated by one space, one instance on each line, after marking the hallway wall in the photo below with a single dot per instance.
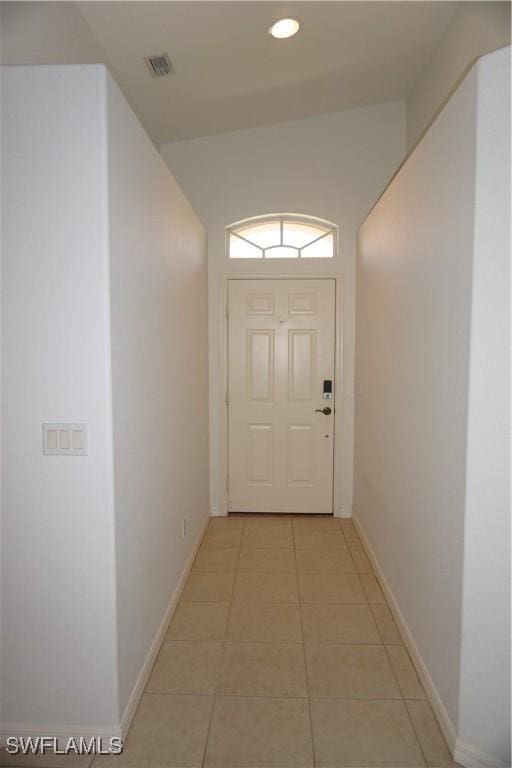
333 167
104 321
432 298
484 719
159 331
58 592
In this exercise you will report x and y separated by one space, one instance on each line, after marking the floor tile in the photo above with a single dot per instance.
429 734
330 588
373 734
223 538
250 652
324 561
226 522
255 523
48 760
349 529
405 673
318 539
167 732
372 589
198 621
338 624
264 623
359 557
267 561
208 587
273 536
260 733
186 667
386 624
216 560
263 669
354 543
350 672
323 523
266 587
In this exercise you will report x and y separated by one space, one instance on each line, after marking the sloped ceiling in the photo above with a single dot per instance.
230 73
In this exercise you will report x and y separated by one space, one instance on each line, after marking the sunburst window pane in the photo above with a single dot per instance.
264 234
299 234
241 249
281 252
280 237
321 249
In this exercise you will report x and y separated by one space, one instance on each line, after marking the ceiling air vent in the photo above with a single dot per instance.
160 65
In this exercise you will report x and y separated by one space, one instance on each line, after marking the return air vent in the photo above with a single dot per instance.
160 65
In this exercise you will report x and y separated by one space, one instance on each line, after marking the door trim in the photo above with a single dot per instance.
226 277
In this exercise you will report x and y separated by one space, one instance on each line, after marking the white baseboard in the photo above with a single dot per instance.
216 512
142 679
440 712
471 757
64 733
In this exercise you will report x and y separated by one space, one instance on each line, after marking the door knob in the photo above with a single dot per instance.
326 411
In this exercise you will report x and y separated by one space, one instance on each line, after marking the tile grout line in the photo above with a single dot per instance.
402 645
223 651
145 691
387 654
420 745
304 648
224 643
298 642
402 699
273 696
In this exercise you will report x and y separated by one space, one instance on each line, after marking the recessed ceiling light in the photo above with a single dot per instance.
284 28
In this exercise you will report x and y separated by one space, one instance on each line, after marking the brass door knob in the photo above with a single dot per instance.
326 411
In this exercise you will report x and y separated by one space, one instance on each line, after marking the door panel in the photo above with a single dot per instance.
281 340
302 304
301 454
260 452
261 365
301 364
260 304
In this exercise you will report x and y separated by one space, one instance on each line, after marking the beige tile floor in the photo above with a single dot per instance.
282 653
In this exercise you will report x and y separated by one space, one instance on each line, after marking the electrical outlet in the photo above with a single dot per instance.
184 528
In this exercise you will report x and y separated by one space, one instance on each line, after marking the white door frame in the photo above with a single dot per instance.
338 368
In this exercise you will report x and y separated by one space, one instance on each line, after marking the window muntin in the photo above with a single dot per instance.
281 237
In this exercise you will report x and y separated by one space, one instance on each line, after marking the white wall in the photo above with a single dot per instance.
420 277
413 309
476 28
58 590
484 719
332 166
160 382
104 322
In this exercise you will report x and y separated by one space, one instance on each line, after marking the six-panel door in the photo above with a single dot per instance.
281 340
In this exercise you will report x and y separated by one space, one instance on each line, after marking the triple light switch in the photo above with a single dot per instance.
65 439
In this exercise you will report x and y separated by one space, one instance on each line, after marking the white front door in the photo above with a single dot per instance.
281 341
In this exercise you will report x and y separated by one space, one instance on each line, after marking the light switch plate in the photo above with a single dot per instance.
64 439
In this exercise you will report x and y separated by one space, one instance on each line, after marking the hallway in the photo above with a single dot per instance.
282 652
258 264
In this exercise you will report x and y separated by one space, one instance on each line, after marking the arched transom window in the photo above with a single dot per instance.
283 236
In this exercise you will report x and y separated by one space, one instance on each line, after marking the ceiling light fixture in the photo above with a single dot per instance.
284 28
